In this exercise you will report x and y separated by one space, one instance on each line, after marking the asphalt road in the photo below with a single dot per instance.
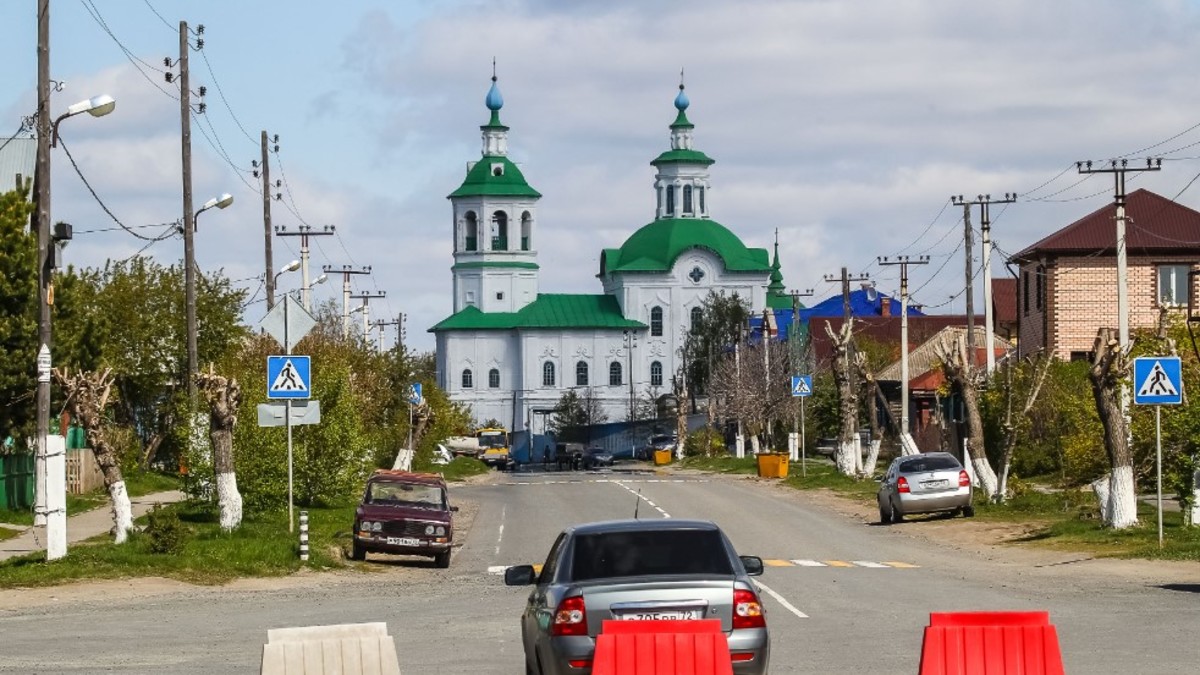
842 595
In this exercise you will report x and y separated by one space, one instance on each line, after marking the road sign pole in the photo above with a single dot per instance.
287 411
1158 467
803 450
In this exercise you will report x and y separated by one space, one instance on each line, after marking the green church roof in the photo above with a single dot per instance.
550 310
655 247
481 180
683 157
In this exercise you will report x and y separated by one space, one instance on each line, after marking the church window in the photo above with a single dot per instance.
659 193
499 231
697 318
687 200
497 168
670 200
494 378
548 374
614 373
472 234
655 374
696 274
656 321
700 198
526 231
468 379
581 374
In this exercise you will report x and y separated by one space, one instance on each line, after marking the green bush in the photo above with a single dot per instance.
165 532
704 444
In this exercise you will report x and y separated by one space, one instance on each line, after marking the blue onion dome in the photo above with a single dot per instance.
681 101
494 100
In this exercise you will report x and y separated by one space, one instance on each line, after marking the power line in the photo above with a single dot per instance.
224 100
160 16
101 202
114 229
138 63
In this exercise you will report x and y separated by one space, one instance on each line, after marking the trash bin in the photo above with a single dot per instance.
772 464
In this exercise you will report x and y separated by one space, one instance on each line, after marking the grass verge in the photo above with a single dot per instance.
137 483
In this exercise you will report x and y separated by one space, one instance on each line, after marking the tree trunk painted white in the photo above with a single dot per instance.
872 458
754 446
229 500
845 457
1123 498
1194 518
1102 487
122 510
984 475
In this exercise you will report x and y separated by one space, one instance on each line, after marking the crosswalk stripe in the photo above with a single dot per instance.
809 563
901 565
777 563
867 563
838 563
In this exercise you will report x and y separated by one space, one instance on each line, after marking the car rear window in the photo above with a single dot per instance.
653 552
929 464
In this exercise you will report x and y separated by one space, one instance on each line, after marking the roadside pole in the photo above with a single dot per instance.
1158 466
287 415
803 450
802 389
1158 381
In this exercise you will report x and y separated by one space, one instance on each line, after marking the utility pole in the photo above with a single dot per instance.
402 333
304 232
985 228
189 222
345 271
42 181
630 339
907 446
381 324
846 278
366 296
265 169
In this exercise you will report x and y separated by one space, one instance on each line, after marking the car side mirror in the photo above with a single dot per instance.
454 508
753 564
519 575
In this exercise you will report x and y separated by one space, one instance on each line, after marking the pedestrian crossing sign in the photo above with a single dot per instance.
1157 380
289 376
802 385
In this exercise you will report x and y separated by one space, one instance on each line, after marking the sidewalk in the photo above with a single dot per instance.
83 525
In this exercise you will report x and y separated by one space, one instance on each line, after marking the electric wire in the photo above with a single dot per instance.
101 202
160 16
16 133
114 229
221 93
138 63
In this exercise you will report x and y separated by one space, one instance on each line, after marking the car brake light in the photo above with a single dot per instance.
741 657
747 611
902 484
580 663
963 479
570 618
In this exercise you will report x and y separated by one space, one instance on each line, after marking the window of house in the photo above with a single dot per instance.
697 318
655 374
548 374
468 379
1040 296
1025 293
1081 356
614 373
670 200
494 378
656 318
499 231
472 234
687 200
581 374
1173 285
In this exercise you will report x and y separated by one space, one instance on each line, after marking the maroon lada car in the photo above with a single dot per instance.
404 513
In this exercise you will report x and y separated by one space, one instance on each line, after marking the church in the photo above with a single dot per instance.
509 349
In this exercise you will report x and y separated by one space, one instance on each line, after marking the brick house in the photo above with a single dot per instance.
1067 283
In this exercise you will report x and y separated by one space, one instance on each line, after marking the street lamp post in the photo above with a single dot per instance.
290 267
305 292
189 281
48 138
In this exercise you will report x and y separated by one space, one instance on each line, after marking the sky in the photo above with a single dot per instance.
845 126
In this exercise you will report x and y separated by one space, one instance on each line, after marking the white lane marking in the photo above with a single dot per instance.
867 563
645 499
497 569
786 605
500 535
809 563
596 480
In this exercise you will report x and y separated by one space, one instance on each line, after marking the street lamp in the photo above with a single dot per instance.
220 203
290 267
48 138
189 282
304 291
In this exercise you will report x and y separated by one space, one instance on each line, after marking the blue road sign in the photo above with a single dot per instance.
1157 380
802 385
289 376
414 393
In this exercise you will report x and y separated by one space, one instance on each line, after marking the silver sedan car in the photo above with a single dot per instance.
638 570
932 482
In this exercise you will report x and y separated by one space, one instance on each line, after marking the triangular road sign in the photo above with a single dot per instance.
1157 383
288 379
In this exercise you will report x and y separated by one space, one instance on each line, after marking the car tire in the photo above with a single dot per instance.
357 552
968 511
442 560
885 518
895 514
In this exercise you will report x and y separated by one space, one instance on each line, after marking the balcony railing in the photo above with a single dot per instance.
499 243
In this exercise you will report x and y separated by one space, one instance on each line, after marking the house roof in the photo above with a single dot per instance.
655 246
17 156
863 302
924 358
1154 223
550 310
1004 300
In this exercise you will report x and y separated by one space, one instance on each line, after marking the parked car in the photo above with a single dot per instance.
638 570
568 456
658 442
932 482
595 457
405 513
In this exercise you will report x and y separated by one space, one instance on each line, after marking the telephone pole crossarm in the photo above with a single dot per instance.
985 227
903 262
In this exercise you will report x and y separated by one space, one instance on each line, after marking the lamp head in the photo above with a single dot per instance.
321 279
290 267
97 106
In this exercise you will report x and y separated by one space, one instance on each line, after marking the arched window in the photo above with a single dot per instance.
700 196
659 193
472 234
499 231
548 374
687 199
468 379
697 318
614 373
581 374
526 231
656 314
670 200
494 378
655 374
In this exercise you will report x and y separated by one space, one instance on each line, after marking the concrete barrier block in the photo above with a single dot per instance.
347 649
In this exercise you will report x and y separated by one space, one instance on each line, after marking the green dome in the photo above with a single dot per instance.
484 180
655 247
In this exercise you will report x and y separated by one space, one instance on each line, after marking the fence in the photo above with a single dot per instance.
16 482
83 473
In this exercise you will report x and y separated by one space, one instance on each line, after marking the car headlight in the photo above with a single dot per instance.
429 529
441 531
365 526
376 526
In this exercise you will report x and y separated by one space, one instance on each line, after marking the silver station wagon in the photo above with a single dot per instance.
933 482
638 570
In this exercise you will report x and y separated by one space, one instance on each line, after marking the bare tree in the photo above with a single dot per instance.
869 386
1041 368
957 368
848 455
224 395
1116 492
87 397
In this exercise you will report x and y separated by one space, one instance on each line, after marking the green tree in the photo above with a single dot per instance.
574 413
723 320
18 317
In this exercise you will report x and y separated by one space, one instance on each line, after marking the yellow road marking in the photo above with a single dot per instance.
778 563
537 569
900 565
838 563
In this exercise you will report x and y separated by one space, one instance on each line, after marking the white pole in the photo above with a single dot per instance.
987 294
1158 467
306 290
56 497
803 450
304 535
287 410
366 326
345 306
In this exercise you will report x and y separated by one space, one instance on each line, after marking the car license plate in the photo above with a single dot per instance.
935 483
665 615
403 541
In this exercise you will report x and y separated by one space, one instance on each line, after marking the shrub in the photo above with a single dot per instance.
165 532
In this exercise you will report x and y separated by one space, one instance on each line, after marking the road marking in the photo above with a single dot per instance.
867 563
777 563
498 570
577 481
645 499
838 563
808 563
786 605
903 566
500 535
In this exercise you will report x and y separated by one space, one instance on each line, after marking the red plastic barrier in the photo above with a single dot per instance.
991 643
662 648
